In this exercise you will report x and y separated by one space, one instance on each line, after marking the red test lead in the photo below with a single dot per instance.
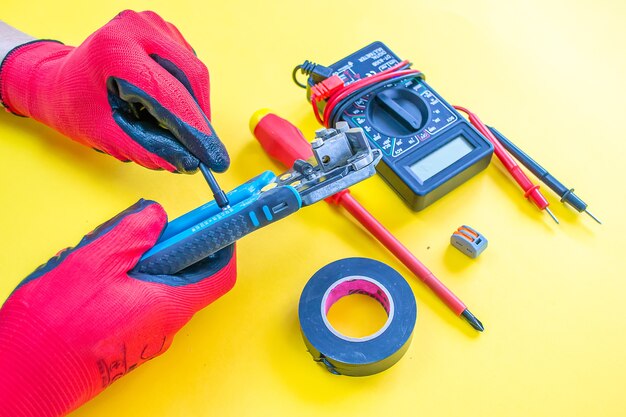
531 191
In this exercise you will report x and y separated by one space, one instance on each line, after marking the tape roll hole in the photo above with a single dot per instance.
357 308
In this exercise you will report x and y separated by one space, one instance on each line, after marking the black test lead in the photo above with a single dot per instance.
218 194
567 194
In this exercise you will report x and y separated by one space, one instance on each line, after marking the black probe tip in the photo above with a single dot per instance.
593 217
472 320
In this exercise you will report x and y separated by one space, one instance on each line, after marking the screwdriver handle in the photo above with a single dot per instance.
279 138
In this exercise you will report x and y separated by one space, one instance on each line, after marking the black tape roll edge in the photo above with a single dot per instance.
369 355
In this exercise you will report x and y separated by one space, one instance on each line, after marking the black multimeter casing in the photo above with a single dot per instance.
428 148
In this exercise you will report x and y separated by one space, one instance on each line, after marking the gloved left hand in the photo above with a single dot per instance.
85 319
134 89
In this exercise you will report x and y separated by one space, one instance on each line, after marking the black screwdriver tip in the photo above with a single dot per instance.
472 320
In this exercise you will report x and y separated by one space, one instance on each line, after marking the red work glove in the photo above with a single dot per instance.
83 320
134 89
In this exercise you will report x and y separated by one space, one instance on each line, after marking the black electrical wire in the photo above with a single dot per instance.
317 72
294 76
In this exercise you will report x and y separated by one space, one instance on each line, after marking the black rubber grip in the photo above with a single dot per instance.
197 247
271 206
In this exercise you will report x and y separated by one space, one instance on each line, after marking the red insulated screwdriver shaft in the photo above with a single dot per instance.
284 142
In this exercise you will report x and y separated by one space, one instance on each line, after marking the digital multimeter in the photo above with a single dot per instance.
428 148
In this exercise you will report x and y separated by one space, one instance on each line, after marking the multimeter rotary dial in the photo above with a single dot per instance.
428 148
399 116
397 112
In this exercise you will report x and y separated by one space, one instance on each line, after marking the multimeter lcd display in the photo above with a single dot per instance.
441 159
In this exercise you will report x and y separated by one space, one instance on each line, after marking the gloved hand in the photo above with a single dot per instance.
84 319
134 89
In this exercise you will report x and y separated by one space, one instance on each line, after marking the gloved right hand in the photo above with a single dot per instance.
85 318
134 89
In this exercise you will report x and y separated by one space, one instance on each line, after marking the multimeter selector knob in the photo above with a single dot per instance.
397 112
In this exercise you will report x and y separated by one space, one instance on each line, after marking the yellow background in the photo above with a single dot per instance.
549 74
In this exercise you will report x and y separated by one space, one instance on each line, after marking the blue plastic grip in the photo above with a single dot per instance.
207 229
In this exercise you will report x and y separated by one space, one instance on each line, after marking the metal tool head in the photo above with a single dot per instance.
342 158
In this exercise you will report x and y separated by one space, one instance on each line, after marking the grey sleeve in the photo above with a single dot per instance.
10 38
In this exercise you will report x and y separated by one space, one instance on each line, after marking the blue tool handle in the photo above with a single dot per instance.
212 235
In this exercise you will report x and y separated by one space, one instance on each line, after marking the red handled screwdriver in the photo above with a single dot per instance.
284 142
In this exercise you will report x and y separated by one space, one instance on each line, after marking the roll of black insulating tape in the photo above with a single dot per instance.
368 355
